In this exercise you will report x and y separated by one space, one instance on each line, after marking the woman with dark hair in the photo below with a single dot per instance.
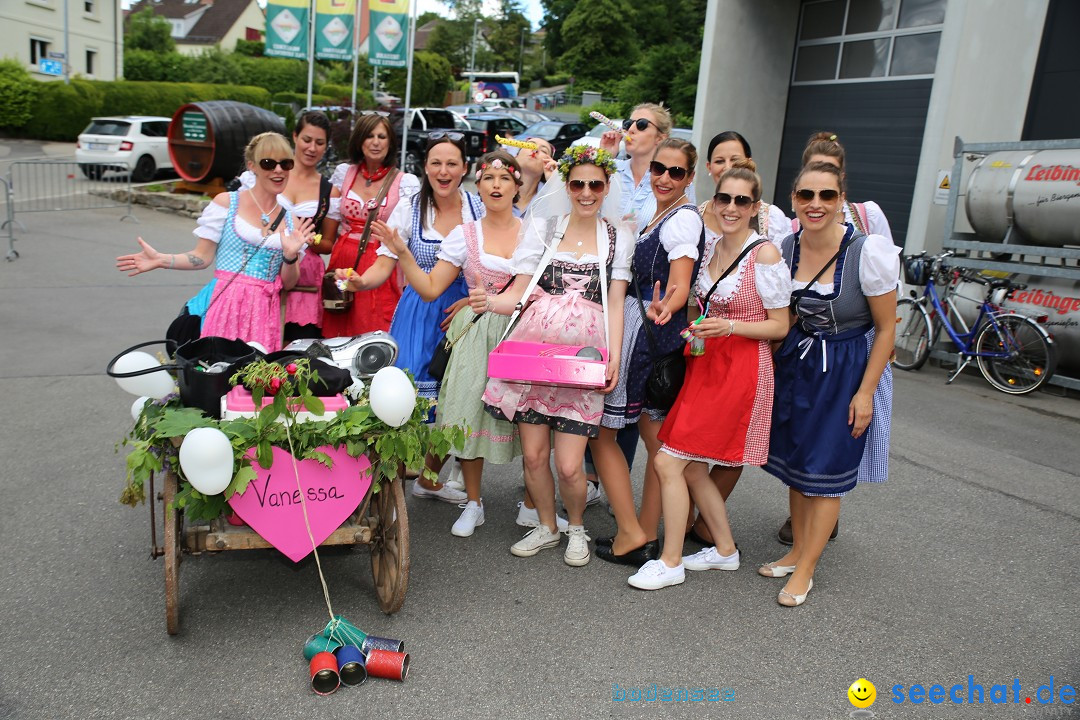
725 149
253 243
745 288
423 223
665 259
830 419
372 153
479 250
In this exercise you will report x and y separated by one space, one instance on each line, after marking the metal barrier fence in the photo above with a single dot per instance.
62 185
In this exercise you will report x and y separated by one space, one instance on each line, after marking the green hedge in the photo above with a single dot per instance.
17 93
82 100
299 100
342 94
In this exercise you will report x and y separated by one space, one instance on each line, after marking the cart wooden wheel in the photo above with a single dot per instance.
173 546
390 546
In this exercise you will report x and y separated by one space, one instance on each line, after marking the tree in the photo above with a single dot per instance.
665 74
431 80
600 42
504 35
147 31
555 14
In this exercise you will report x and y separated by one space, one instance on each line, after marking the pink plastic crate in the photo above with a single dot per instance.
239 401
546 364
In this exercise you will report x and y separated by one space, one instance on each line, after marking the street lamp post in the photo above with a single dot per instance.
472 60
521 56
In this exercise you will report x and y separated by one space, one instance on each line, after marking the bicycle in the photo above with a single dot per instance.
1013 352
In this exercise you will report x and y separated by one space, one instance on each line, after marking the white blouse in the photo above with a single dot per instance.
401 220
876 222
680 234
409 185
531 250
454 251
773 281
305 209
779 226
879 269
211 224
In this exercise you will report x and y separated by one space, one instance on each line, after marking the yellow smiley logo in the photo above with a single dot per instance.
862 693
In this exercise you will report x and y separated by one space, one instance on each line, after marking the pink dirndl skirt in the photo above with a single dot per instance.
245 308
305 307
563 319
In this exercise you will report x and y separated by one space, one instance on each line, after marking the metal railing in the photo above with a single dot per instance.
61 185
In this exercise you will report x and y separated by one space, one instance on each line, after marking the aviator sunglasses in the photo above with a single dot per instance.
675 172
269 164
806 195
642 124
741 201
452 136
577 186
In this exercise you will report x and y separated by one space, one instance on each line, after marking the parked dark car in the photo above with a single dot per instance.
425 121
492 124
559 134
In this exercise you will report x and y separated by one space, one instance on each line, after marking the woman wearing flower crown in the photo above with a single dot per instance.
573 246
481 250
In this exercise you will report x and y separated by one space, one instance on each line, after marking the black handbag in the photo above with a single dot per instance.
439 361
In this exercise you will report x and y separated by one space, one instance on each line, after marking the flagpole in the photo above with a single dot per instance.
408 83
355 53
311 51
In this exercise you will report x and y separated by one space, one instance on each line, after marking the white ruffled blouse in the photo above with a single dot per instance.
773 281
305 209
879 269
454 251
531 250
680 234
211 223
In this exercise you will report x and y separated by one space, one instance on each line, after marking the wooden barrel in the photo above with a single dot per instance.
207 139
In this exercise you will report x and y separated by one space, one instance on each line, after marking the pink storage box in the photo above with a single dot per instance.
238 403
546 364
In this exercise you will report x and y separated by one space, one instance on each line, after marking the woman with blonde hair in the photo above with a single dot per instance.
253 243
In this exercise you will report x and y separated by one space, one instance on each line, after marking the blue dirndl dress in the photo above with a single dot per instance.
819 368
416 321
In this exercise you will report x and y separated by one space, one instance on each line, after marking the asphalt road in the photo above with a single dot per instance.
963 564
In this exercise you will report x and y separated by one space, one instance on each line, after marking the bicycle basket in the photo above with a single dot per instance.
916 270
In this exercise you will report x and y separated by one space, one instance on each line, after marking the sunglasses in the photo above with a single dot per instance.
452 136
270 163
642 124
805 195
741 201
675 172
577 186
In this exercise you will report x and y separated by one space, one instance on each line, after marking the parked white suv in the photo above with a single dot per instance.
138 144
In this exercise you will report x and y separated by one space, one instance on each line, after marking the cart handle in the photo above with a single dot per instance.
170 345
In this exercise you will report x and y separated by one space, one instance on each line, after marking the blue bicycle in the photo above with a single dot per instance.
1013 352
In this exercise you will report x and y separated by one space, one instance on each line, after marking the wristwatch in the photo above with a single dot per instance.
287 261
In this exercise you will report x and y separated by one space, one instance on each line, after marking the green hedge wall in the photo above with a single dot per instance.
82 100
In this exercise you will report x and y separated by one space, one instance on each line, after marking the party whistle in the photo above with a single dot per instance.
316 238
605 120
343 283
688 332
510 142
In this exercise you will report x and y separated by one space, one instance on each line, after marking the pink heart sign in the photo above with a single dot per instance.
271 503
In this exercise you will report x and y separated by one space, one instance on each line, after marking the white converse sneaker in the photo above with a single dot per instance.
454 480
577 549
528 517
471 516
593 494
654 575
537 539
710 559
444 493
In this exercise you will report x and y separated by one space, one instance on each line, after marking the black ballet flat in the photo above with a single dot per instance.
692 535
634 558
605 541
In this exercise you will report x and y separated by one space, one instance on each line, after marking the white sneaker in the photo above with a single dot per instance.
454 480
577 549
537 539
654 575
471 516
593 495
710 559
528 517
444 493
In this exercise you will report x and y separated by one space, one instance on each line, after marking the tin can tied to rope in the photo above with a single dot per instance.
317 644
351 665
344 632
380 643
324 673
388 665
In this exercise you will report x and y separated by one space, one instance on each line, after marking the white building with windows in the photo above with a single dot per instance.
79 37
896 80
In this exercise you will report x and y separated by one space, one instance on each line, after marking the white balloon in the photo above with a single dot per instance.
137 407
156 385
257 346
206 456
393 396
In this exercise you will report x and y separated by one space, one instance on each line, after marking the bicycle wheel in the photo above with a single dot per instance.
912 346
1031 358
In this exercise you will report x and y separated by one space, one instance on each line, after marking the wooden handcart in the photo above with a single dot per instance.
381 522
